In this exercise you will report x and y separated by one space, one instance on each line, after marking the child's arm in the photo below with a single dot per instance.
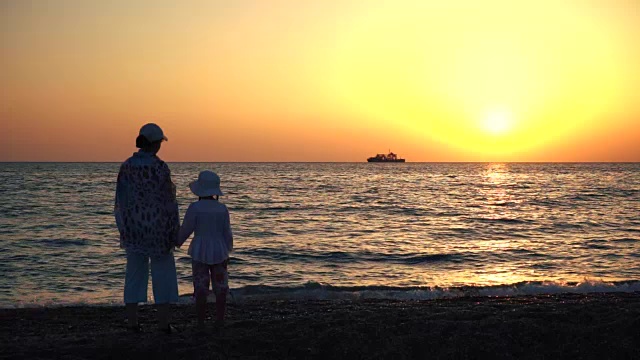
188 225
228 235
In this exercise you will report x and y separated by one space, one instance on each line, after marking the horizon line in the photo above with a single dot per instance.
325 162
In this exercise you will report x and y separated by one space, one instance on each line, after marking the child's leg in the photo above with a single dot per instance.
221 306
200 288
201 308
220 279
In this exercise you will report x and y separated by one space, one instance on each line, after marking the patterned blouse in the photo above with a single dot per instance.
146 209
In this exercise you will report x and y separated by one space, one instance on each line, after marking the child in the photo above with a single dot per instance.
211 244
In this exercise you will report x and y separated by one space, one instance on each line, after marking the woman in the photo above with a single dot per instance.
146 213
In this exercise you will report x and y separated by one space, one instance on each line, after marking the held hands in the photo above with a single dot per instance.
176 242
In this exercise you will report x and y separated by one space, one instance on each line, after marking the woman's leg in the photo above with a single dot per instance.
164 316
135 285
165 286
132 314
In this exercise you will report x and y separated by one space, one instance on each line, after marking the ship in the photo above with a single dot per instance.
390 157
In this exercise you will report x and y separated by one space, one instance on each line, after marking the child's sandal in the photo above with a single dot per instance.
137 328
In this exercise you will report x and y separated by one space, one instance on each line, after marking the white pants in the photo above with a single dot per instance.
163 278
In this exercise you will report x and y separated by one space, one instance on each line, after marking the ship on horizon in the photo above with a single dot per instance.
390 157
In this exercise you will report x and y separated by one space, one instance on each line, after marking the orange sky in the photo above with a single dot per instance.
322 80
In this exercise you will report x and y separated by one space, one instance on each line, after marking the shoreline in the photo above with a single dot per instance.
311 291
593 325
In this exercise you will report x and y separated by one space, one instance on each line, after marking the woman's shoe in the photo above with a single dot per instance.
170 329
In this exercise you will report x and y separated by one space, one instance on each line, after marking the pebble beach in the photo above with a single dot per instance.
559 326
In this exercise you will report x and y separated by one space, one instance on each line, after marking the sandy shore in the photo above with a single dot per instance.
589 326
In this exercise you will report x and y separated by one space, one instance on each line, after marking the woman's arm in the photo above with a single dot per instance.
167 192
172 202
120 202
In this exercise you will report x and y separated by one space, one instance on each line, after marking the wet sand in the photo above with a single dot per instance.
566 326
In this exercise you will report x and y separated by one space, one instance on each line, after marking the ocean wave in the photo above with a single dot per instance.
625 240
60 242
318 291
364 256
500 220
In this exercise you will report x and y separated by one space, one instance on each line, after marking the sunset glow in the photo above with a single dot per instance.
497 122
322 81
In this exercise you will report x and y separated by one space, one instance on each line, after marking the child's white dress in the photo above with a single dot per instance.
211 244
209 221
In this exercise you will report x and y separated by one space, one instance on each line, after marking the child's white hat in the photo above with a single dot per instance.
208 184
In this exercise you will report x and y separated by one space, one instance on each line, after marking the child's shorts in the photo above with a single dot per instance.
203 272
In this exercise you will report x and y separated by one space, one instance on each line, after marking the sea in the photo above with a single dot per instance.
339 230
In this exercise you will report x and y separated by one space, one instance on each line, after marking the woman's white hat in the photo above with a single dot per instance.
208 184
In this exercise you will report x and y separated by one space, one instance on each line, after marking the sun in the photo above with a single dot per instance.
497 122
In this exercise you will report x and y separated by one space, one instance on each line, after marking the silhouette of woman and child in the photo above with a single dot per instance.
146 213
